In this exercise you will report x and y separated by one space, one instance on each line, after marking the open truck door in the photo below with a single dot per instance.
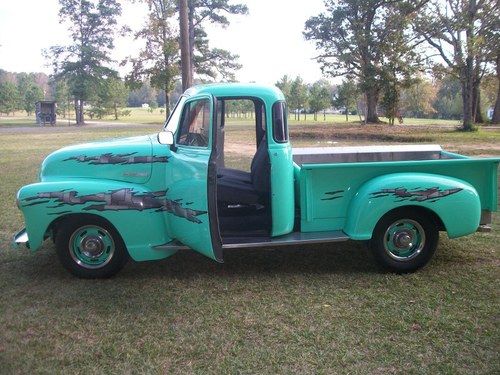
191 176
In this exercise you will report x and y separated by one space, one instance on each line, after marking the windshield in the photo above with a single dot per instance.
173 120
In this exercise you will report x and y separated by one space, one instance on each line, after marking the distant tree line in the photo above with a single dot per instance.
434 96
427 58
20 91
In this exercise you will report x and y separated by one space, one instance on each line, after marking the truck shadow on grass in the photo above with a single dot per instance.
344 258
348 258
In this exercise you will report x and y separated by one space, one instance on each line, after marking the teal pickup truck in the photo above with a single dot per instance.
148 197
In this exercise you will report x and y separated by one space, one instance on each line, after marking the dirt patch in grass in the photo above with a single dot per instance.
382 133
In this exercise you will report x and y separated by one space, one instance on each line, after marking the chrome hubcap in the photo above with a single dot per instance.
91 246
404 239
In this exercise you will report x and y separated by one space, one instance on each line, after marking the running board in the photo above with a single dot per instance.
295 238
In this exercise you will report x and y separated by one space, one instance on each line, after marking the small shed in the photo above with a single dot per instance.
45 111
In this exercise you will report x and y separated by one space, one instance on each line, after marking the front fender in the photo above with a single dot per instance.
454 201
132 209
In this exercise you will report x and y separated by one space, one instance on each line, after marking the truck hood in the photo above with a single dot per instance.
125 159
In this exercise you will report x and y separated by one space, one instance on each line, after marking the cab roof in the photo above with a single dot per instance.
221 90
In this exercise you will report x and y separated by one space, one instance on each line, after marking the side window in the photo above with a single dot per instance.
280 126
195 124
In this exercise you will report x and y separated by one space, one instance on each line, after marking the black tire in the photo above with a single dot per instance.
90 248
404 240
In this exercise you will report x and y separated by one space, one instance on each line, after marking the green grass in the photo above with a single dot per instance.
317 309
156 116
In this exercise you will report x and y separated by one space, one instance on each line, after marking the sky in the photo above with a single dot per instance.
269 40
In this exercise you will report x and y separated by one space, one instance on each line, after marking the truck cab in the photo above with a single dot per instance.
256 204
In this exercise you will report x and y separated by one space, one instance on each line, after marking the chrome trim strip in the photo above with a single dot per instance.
484 228
319 155
172 245
293 238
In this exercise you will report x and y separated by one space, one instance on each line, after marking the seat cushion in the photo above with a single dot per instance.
260 172
235 191
234 174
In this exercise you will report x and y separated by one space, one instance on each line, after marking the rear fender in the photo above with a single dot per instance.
454 201
134 211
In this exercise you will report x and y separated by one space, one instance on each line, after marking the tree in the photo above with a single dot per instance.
357 39
158 62
496 112
61 95
448 102
142 95
285 84
390 101
32 95
489 92
29 91
457 30
346 96
112 96
417 100
9 97
204 60
299 96
320 97
84 63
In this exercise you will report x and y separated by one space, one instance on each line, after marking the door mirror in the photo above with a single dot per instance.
166 137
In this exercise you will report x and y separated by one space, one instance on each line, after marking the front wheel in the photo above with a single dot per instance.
404 241
90 248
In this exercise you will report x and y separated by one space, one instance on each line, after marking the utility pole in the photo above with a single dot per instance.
187 69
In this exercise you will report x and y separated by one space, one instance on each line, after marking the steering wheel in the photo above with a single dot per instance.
196 139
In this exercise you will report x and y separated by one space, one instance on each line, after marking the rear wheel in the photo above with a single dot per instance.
89 247
404 241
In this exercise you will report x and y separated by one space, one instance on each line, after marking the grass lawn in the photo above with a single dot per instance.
317 309
157 116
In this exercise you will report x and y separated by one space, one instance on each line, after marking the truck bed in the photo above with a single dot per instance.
326 179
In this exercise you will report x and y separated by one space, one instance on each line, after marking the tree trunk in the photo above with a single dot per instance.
371 106
187 77
324 115
477 115
79 117
467 83
346 115
191 8
496 112
115 107
476 102
167 104
76 111
467 71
